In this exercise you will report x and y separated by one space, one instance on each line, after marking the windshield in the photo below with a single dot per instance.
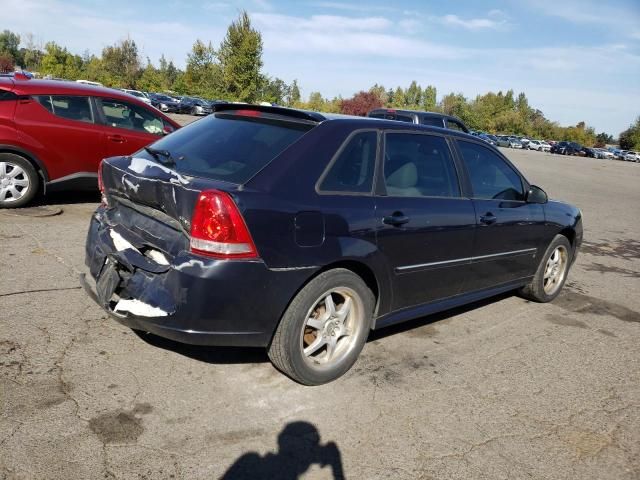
229 147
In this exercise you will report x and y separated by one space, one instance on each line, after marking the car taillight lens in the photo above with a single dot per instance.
218 229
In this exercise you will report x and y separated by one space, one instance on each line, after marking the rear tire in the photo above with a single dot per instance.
323 330
19 181
552 272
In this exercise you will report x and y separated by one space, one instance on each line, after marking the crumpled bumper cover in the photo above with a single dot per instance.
191 299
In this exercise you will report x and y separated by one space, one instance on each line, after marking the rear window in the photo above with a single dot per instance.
69 107
6 95
229 147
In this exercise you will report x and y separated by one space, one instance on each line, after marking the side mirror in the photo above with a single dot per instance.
536 195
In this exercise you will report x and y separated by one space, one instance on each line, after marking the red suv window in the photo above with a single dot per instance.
69 107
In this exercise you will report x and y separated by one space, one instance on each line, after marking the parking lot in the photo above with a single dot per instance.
504 388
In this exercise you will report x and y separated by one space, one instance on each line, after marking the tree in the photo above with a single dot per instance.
630 138
150 80
122 63
602 139
59 63
203 74
294 94
240 56
429 98
413 96
9 46
360 104
6 63
274 90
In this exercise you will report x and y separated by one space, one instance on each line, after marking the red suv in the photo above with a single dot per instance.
53 134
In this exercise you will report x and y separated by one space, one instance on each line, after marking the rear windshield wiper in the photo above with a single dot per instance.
162 156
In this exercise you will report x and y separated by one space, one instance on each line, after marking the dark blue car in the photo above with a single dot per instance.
301 232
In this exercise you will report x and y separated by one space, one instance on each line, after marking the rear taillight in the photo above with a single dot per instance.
103 197
218 229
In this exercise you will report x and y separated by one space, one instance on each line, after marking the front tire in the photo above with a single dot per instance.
551 273
324 329
19 181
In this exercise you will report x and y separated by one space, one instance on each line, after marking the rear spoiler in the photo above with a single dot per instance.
282 111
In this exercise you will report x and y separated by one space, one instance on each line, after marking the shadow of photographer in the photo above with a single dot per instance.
299 448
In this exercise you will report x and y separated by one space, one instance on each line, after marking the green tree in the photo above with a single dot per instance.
294 94
630 138
150 80
240 56
10 45
413 96
429 98
274 90
203 74
58 62
121 63
603 138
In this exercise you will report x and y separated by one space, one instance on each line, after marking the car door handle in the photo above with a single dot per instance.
117 138
488 218
396 219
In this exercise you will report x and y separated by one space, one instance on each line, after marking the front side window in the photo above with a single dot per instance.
131 117
68 107
419 166
352 170
491 177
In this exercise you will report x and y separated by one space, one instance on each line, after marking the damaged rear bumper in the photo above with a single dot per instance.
187 298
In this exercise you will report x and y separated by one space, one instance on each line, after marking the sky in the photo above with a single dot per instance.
576 60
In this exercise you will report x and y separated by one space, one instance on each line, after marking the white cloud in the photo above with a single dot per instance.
340 35
497 22
352 8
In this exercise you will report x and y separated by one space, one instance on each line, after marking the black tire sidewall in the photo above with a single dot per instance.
33 179
294 319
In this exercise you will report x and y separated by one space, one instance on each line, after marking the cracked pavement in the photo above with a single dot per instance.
503 388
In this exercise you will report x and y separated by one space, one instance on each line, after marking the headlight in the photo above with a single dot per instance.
163 105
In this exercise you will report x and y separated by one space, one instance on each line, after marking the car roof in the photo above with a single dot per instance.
62 87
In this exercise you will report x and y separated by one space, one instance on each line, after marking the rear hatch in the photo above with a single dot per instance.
152 194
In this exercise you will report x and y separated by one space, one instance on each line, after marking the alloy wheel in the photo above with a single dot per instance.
14 182
331 328
555 270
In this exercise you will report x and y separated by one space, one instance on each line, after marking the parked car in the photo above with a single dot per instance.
423 118
567 148
139 95
263 226
194 106
502 141
589 152
89 82
606 154
53 134
632 156
164 103
490 139
515 143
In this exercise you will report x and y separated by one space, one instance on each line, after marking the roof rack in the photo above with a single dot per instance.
284 111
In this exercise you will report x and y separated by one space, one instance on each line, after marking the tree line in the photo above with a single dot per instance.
233 71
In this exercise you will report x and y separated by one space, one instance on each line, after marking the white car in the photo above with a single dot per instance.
632 156
136 93
604 154
515 143
89 82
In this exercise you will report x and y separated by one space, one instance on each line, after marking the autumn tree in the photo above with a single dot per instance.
360 104
121 63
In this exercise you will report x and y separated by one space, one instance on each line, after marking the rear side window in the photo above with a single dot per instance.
419 166
453 125
6 95
432 121
491 177
352 170
228 147
69 107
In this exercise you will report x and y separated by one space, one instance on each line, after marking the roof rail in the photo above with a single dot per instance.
284 111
